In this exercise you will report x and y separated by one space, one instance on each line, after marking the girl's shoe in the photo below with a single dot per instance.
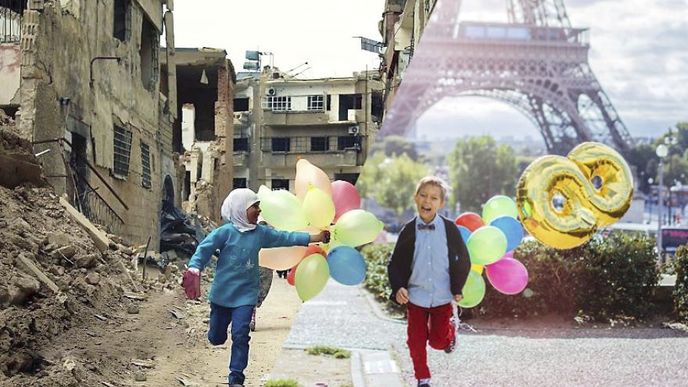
252 324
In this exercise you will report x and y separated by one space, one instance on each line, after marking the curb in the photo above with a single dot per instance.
377 311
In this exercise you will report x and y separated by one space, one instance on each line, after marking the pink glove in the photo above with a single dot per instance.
192 283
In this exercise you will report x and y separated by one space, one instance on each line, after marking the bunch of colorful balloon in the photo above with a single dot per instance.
318 205
491 240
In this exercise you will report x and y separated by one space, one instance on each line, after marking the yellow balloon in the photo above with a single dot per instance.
308 175
318 208
281 258
562 200
477 268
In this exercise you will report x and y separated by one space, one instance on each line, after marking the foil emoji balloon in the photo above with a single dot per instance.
562 201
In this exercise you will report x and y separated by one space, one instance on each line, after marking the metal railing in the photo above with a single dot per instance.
306 144
86 198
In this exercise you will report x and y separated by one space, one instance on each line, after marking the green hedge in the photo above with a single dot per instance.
376 281
680 293
605 278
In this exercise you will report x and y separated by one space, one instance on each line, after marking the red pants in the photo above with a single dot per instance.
425 325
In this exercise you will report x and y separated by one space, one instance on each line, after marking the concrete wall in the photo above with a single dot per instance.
62 40
10 60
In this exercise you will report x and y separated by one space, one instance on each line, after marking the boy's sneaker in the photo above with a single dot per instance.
424 383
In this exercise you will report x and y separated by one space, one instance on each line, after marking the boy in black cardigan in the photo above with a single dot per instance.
427 270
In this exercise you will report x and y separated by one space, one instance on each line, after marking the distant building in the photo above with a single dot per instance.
203 131
278 120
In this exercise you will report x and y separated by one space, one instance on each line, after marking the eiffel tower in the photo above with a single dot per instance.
537 63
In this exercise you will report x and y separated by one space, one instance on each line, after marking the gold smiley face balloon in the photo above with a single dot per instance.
563 200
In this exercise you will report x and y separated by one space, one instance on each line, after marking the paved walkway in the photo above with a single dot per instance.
342 316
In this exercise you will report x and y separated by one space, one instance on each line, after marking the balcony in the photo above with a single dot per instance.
298 118
324 151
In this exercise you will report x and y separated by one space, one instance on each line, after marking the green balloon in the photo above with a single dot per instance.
282 210
497 206
486 245
311 276
357 227
473 290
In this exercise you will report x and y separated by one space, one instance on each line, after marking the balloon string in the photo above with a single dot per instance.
457 311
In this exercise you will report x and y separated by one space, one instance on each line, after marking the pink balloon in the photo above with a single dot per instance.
345 197
507 275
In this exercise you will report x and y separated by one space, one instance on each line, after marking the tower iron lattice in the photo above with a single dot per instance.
536 63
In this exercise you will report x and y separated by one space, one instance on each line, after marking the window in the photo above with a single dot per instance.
239 182
240 104
280 144
319 144
316 102
280 184
148 54
346 142
350 177
10 20
241 144
122 152
145 166
278 103
121 20
349 102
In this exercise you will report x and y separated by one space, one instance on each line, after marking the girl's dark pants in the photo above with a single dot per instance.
240 318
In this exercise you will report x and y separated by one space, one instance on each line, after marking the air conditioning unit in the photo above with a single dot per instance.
272 92
354 130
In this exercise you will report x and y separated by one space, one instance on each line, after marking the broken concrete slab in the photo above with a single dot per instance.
38 273
17 169
99 238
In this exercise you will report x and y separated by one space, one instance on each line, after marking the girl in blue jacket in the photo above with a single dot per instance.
234 291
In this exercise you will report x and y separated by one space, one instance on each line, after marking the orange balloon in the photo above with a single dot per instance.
314 249
281 258
308 175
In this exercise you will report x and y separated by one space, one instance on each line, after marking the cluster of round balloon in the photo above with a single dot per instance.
490 240
318 205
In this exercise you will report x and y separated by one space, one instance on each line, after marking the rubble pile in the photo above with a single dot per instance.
53 279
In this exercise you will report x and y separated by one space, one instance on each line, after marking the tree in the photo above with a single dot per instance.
479 169
644 160
391 181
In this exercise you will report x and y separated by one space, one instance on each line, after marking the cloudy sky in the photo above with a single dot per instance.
639 52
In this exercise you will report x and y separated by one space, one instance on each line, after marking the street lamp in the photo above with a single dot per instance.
662 151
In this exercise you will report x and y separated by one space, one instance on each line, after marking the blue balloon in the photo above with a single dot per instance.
347 265
465 233
512 228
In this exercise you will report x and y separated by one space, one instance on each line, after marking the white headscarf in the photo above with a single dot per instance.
235 205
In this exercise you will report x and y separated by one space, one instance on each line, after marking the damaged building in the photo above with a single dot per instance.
81 80
279 119
205 85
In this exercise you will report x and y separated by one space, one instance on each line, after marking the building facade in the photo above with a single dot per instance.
278 120
84 84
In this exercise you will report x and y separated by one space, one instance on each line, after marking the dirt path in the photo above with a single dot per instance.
186 353
168 350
